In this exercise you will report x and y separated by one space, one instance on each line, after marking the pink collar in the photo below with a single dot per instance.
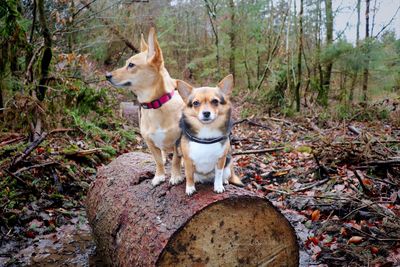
155 104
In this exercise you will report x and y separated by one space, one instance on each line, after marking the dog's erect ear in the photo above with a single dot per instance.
226 85
154 54
143 45
184 89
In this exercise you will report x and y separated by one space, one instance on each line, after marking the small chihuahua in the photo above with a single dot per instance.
145 75
206 124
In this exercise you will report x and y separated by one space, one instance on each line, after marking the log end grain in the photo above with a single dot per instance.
135 224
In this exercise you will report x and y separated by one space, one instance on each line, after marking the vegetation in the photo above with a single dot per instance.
59 119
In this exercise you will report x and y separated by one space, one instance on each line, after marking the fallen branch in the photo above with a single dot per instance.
4 143
364 188
287 123
354 130
16 177
28 150
312 185
81 153
377 238
276 190
60 130
380 163
257 151
34 167
250 122
384 162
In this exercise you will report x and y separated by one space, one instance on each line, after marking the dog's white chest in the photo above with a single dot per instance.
158 137
205 156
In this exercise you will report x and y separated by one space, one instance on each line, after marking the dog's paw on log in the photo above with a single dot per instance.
136 224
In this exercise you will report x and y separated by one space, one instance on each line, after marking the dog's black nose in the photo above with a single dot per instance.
108 75
206 114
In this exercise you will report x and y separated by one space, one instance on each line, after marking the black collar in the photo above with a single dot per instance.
206 141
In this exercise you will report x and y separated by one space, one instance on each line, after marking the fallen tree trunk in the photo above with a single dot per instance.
135 224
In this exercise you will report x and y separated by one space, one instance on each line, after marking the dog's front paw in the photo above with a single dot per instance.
190 189
176 180
158 179
226 181
219 188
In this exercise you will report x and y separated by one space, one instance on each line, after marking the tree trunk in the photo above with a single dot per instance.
366 67
299 52
321 97
47 53
329 40
358 22
232 35
212 13
3 64
135 224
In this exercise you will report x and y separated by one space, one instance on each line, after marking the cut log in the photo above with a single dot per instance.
135 224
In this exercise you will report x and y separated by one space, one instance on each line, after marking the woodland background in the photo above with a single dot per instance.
322 105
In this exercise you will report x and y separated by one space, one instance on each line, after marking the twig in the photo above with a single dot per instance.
384 162
59 130
353 129
390 22
19 179
82 153
287 123
379 163
4 143
312 185
377 238
33 167
28 150
250 122
280 120
323 170
364 188
276 190
257 151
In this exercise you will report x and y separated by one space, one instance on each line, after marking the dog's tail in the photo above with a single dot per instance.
234 179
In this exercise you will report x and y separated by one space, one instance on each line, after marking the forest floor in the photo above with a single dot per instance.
338 183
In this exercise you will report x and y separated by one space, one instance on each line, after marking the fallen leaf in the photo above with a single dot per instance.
374 250
355 240
315 215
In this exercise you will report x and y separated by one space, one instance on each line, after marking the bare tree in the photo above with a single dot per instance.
232 36
329 40
212 16
366 66
299 53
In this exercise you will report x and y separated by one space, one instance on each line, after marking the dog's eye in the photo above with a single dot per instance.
131 65
196 103
214 102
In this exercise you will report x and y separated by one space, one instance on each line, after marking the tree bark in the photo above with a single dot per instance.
320 97
358 22
366 66
135 224
47 53
212 13
299 52
232 35
329 40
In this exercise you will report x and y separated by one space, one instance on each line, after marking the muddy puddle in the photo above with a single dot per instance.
70 245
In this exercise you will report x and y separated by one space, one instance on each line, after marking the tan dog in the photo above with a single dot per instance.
206 124
145 75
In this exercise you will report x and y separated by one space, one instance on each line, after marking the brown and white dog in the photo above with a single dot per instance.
205 145
145 75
